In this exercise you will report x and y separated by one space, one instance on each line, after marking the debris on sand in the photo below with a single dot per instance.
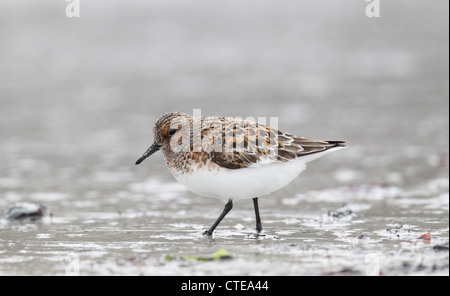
441 248
26 211
397 230
221 254
426 236
341 212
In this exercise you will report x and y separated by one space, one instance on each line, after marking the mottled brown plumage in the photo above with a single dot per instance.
228 142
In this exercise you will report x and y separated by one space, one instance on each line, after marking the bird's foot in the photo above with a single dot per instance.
207 233
256 235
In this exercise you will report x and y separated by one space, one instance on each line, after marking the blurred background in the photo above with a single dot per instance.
79 93
79 96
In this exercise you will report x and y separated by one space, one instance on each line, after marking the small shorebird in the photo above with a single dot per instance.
232 159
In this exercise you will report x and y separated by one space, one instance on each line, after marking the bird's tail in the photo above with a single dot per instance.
337 144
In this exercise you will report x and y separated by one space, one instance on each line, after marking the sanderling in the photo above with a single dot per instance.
232 159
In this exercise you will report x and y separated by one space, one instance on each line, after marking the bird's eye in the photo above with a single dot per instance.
172 132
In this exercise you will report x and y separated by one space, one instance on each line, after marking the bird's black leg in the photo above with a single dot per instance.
258 218
225 211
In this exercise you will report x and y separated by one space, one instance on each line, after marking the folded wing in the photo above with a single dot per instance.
246 143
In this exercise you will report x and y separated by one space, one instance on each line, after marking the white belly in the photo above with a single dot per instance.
241 183
254 181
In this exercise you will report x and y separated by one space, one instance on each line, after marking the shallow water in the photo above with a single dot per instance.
78 99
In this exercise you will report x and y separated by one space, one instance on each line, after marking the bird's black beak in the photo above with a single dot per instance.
155 147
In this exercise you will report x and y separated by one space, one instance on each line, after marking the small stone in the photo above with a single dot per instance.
25 210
